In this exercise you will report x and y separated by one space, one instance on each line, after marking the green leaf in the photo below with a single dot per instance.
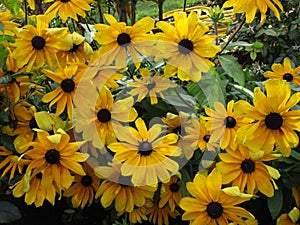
295 155
253 55
3 56
185 177
12 5
270 32
240 44
275 204
9 212
233 68
1 27
257 45
5 37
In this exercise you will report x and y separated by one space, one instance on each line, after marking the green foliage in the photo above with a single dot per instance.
8 212
12 5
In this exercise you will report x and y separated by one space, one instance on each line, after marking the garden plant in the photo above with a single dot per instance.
112 116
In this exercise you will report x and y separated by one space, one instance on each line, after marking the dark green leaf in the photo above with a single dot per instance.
3 56
270 32
1 27
185 177
295 155
5 37
275 204
8 212
233 68
12 5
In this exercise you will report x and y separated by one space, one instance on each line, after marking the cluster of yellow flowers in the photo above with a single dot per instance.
79 132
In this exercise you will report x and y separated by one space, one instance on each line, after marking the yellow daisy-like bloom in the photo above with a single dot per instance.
98 118
37 45
63 95
291 218
275 122
35 192
68 8
126 196
284 72
79 52
210 204
117 39
84 188
171 193
186 47
148 85
10 27
56 157
160 215
200 139
246 170
223 124
11 163
250 7
145 153
137 215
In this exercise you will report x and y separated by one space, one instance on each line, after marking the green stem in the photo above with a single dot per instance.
26 12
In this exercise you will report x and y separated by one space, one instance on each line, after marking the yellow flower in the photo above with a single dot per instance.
171 193
35 192
84 188
246 170
125 195
275 122
284 72
69 8
79 52
117 39
250 7
160 215
210 204
10 27
148 85
223 124
56 157
63 95
98 117
145 153
185 47
11 163
37 45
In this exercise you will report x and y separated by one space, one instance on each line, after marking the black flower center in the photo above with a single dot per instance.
151 86
288 77
145 148
174 187
214 210
230 122
123 39
185 46
248 166
86 180
273 121
68 85
38 42
33 124
104 115
64 1
74 48
39 175
52 156
206 138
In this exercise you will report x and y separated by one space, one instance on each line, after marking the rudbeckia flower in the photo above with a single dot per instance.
84 188
56 157
68 79
223 124
37 45
148 85
160 215
68 8
145 153
79 52
250 7
185 47
210 204
171 193
138 214
11 162
125 195
34 191
9 27
275 121
246 170
117 38
284 72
